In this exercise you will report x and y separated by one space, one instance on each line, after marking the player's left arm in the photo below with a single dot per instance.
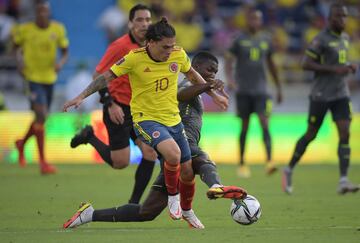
63 44
221 100
99 83
188 93
63 59
274 73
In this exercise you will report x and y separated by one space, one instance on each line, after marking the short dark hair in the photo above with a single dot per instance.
136 8
159 30
202 57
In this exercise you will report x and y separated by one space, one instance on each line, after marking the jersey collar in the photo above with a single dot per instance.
148 52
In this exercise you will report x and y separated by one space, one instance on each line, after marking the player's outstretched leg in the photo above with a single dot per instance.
286 180
190 217
232 192
82 137
82 216
346 186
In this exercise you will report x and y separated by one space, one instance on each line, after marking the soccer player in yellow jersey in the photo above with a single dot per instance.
153 73
37 44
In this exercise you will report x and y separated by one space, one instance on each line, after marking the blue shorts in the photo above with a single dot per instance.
153 133
40 94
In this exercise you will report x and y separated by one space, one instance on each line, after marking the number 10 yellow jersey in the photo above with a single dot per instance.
153 84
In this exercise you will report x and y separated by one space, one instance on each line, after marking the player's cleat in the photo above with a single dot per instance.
286 180
20 147
82 137
190 217
243 171
47 169
175 211
270 168
346 186
232 192
82 216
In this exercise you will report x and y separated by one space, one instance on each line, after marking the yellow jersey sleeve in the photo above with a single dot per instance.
186 65
16 35
62 41
124 65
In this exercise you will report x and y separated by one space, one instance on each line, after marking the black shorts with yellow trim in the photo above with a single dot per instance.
341 109
247 104
119 134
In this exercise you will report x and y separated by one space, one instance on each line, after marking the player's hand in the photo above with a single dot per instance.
353 67
116 113
232 85
219 85
57 67
76 102
221 101
343 70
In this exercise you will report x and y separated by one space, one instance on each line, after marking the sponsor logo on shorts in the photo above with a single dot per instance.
156 134
173 67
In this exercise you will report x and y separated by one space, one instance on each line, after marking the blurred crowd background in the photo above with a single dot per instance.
200 25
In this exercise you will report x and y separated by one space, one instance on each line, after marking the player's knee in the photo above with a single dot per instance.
148 216
119 163
344 137
174 156
311 135
149 154
187 174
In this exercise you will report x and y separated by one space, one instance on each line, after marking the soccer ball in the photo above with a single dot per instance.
245 211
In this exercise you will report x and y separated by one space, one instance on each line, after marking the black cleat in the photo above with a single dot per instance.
82 137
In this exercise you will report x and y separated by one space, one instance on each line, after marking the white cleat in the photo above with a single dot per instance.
346 186
82 216
192 220
175 211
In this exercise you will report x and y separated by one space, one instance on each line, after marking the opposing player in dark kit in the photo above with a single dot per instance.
252 54
327 58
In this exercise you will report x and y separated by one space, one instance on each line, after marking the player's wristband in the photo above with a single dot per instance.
106 100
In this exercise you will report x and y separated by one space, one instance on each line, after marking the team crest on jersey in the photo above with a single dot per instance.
156 134
120 61
173 67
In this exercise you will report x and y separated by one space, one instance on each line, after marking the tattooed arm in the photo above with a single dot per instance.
99 83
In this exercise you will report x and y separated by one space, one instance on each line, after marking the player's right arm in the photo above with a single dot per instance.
123 66
190 92
312 60
17 40
99 83
229 72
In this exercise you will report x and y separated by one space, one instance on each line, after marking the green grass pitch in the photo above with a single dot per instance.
33 207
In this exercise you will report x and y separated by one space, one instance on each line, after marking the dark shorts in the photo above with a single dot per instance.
199 158
40 94
119 134
247 104
153 133
340 110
